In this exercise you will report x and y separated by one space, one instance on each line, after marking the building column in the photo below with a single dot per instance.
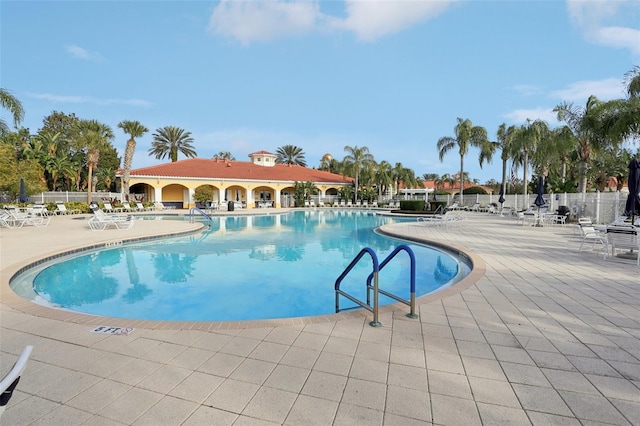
157 194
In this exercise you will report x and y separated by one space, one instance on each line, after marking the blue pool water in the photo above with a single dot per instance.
243 268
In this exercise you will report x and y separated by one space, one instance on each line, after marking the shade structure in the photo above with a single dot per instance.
23 198
539 199
632 207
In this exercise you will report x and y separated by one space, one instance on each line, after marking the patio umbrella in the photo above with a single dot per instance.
501 199
23 192
632 207
539 200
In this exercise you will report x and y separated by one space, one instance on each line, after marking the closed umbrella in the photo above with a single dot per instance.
23 192
632 207
501 199
539 199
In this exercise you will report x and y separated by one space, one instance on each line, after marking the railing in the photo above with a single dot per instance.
194 210
412 273
374 276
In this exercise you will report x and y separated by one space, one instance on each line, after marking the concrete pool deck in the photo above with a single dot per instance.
544 335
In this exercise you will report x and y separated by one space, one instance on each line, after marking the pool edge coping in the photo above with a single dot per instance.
12 300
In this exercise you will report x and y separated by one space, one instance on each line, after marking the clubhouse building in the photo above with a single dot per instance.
248 182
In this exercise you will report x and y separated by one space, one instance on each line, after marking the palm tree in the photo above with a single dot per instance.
583 125
505 140
135 130
290 154
93 135
525 143
169 140
224 155
466 135
10 102
384 178
356 159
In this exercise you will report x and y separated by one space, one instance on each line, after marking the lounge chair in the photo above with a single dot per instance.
11 379
29 216
159 206
7 220
374 204
126 207
454 206
61 209
101 221
141 207
109 208
589 233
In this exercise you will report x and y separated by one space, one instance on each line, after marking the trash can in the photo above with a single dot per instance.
563 210
230 206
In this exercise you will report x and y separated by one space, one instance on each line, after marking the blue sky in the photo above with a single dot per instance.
245 76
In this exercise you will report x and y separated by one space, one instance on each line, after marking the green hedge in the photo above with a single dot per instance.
412 205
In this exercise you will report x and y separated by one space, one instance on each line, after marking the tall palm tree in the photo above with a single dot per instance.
135 130
466 135
169 140
290 154
10 102
525 143
505 137
356 159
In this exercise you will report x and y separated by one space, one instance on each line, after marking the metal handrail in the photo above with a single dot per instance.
192 210
412 289
376 268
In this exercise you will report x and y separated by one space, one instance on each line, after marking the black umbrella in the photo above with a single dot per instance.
501 199
23 192
539 200
632 208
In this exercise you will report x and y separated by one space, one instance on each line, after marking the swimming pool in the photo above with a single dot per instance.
242 268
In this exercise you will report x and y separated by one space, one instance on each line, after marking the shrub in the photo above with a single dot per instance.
412 205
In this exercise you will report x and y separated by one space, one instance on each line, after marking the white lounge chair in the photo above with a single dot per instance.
589 233
159 206
7 220
109 208
29 216
101 221
61 209
141 207
11 379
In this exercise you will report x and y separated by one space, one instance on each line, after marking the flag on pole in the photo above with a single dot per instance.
513 178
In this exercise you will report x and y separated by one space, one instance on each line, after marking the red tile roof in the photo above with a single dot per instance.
242 170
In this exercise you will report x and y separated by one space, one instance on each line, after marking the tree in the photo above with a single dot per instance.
10 102
505 137
290 154
356 159
169 141
224 155
583 125
526 140
384 177
93 136
135 130
466 135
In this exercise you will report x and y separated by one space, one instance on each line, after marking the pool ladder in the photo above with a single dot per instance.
194 210
373 276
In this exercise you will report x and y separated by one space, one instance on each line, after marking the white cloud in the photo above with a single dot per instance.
249 21
603 22
520 116
526 90
372 19
80 53
604 90
72 99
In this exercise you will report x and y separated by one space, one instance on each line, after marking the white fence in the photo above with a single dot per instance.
70 197
601 207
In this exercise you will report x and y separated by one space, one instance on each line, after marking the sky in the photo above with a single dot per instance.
245 76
